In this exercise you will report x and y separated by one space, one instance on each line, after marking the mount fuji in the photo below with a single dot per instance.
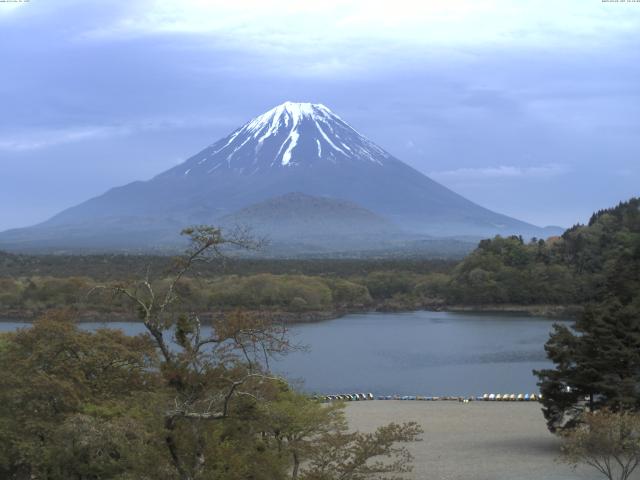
299 148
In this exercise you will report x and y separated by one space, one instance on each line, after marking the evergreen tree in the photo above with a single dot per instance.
597 363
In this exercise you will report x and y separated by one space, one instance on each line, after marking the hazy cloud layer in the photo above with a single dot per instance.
529 108
501 171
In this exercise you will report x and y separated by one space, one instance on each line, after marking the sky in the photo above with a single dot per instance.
527 107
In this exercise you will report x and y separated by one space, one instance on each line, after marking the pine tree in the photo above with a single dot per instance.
597 362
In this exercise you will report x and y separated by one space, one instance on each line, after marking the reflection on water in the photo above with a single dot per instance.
417 353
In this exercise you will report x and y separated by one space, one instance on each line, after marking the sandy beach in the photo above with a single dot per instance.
478 440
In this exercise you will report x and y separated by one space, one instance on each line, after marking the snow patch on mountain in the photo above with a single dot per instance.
293 140
289 135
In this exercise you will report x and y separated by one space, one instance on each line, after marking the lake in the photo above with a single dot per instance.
415 353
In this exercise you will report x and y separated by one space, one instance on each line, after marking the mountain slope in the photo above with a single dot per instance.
297 215
295 147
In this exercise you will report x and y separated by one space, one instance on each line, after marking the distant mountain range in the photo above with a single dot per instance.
297 173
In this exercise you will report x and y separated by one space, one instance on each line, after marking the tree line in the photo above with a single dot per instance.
568 270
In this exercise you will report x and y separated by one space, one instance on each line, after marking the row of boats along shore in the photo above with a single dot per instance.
486 397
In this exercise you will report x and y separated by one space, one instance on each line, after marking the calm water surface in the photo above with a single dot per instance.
416 353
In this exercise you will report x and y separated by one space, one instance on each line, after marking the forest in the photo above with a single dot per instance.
563 271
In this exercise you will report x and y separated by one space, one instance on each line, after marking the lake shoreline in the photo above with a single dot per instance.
424 353
551 312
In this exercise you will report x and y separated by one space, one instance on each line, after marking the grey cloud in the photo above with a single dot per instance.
481 119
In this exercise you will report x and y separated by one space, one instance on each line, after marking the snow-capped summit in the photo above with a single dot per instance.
291 134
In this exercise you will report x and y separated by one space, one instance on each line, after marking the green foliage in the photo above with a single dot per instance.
349 293
577 268
599 357
108 267
285 292
267 290
506 270
57 385
433 285
30 285
385 285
